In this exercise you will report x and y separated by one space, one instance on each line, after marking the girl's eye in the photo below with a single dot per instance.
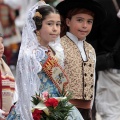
50 23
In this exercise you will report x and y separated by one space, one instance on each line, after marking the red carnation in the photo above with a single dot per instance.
51 102
36 114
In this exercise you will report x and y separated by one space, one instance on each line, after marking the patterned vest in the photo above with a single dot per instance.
80 73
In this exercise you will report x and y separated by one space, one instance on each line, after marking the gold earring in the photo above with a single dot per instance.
38 36
37 33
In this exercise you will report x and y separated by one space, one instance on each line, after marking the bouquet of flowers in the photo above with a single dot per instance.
50 108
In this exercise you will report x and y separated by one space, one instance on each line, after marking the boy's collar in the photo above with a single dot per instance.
74 38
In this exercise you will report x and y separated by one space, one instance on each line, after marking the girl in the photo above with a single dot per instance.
40 45
79 17
7 84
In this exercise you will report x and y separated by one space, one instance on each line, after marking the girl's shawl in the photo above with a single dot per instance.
7 86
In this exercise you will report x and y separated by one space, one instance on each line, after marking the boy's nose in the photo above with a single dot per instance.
85 24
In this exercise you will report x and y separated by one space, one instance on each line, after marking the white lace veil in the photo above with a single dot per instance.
28 66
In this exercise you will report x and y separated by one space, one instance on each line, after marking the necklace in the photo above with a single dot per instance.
51 53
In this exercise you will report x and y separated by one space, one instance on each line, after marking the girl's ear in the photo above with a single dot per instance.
68 22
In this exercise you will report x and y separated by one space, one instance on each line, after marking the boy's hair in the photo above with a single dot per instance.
64 27
43 12
77 11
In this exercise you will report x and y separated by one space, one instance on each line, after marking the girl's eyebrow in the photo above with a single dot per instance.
53 21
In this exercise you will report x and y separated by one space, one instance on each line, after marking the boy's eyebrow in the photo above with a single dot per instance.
83 18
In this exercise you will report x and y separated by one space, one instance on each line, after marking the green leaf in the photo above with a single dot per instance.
35 100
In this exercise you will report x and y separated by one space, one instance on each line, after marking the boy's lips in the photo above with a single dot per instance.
82 31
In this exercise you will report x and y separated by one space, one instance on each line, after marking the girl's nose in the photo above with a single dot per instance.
54 28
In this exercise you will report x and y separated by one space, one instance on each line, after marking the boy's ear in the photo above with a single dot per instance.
67 22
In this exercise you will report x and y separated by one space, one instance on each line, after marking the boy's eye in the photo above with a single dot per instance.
58 24
90 21
79 20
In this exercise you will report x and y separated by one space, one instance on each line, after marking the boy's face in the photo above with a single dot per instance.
1 47
80 25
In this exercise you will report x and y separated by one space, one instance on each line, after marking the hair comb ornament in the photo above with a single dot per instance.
37 14
43 1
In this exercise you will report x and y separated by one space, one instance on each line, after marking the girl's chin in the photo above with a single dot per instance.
53 40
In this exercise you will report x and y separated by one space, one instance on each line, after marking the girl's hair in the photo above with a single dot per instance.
41 14
70 14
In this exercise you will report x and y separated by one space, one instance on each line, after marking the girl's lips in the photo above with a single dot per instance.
54 35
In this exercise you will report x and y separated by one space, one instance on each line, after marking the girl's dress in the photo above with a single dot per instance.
45 85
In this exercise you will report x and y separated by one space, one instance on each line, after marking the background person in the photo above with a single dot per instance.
107 45
7 85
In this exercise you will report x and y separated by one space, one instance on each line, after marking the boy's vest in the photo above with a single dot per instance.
80 73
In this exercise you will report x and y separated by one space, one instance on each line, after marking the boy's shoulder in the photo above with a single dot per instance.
88 44
65 39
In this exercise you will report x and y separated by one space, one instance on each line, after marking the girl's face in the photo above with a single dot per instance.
50 28
1 47
80 25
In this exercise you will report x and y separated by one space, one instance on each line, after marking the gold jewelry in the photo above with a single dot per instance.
37 33
37 14
38 36
43 1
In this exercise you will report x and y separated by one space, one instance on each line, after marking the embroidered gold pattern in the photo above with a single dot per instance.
80 73
55 73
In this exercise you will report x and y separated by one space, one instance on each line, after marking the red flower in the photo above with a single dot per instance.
51 102
36 114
